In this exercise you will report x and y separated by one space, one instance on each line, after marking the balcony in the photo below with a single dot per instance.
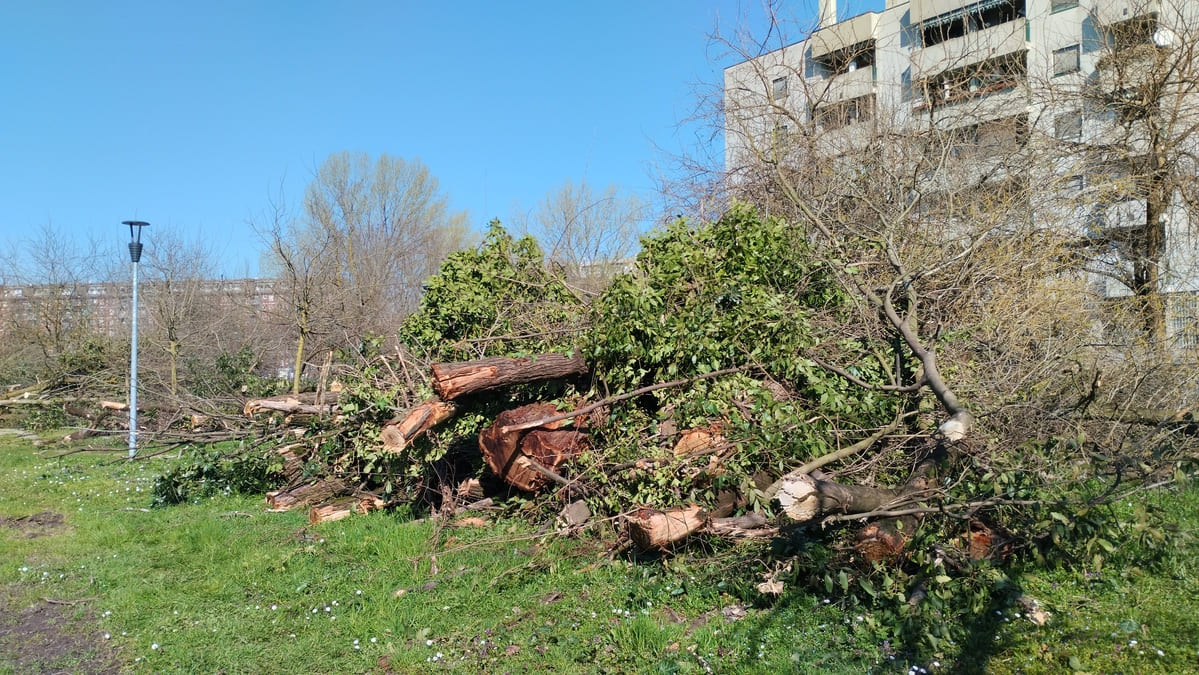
844 35
1111 12
843 87
970 49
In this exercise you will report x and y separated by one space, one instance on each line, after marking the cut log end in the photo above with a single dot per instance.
800 498
657 530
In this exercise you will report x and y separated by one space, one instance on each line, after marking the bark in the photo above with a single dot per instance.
805 498
305 495
401 431
749 526
528 459
657 530
452 380
292 404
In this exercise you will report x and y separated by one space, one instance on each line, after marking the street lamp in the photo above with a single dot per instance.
135 255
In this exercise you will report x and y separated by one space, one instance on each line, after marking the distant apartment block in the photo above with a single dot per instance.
104 308
996 72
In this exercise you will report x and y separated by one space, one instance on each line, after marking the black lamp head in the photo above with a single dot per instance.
135 238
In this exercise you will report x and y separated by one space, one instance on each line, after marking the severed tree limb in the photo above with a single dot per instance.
622 397
824 460
805 498
452 380
399 432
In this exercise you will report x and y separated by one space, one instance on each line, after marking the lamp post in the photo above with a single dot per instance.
135 255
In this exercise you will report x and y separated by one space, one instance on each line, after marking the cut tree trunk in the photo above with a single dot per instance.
805 497
343 507
292 404
657 530
749 526
529 459
398 433
451 380
305 495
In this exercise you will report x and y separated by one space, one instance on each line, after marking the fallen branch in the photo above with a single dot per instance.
822 461
452 380
622 397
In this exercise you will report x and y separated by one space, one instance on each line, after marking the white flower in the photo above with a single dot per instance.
154 646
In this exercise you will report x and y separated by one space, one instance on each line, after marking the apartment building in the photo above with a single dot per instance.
104 307
1068 74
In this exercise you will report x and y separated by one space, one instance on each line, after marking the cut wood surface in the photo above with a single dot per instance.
528 459
401 431
451 380
658 530
343 507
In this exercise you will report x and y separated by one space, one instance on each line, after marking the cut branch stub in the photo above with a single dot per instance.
399 432
527 459
451 380
657 530
805 498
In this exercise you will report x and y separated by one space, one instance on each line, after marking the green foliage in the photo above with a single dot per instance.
743 291
495 300
45 418
232 373
207 471
92 355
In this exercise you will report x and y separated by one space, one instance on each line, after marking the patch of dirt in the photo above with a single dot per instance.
41 524
45 637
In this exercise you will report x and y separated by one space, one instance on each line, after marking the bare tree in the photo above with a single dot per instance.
351 264
49 309
183 302
1129 136
589 235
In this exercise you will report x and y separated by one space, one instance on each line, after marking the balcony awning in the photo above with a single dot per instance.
949 17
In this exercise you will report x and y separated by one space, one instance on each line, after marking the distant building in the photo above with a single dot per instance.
995 70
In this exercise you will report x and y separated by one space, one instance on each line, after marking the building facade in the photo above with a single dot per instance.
1108 90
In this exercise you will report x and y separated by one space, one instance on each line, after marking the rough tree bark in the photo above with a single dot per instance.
452 380
399 432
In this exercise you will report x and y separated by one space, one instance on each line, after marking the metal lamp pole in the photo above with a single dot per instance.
135 255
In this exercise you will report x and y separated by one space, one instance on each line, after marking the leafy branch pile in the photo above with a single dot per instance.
736 363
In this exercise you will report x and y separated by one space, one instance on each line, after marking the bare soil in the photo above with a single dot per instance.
48 635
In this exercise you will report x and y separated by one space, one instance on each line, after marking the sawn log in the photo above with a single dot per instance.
451 380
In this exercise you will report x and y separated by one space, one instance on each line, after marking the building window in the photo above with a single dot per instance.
1059 5
1065 60
1068 126
847 60
779 88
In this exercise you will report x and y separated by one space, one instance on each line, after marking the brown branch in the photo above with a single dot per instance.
811 466
617 399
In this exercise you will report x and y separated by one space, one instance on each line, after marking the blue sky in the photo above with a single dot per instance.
191 115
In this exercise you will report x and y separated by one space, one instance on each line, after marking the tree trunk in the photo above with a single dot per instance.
452 380
656 530
805 497
399 432
305 495
293 404
528 459
343 507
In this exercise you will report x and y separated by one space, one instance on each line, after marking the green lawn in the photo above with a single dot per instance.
223 586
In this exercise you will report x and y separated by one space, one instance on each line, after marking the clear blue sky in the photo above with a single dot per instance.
191 114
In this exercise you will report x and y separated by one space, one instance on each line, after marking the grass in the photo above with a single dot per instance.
223 586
